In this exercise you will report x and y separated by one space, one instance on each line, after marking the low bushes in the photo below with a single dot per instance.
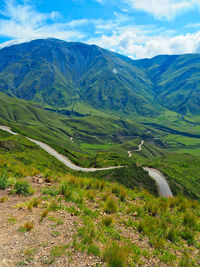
22 187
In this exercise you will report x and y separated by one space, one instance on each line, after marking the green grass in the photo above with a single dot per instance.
166 226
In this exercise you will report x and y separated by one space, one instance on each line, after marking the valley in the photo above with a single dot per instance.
99 157
163 186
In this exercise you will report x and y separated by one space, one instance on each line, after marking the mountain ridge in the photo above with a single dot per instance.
62 74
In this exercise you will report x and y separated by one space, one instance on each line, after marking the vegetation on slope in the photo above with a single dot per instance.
70 219
57 131
21 157
60 74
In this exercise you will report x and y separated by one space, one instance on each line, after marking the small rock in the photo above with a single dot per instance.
135 214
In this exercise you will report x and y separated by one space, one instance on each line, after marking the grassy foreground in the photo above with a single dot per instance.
59 218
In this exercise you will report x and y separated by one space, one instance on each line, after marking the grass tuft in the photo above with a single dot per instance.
110 205
22 187
28 226
108 221
116 255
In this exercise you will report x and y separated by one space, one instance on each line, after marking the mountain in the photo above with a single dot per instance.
60 74
176 81
66 75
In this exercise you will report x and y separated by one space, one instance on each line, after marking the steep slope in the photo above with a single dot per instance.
65 75
176 81
57 73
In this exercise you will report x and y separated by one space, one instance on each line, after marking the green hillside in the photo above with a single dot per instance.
60 74
51 216
176 81
64 75
94 106
91 134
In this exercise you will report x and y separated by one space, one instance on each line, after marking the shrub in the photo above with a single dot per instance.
52 191
88 233
26 227
157 242
110 206
188 235
107 221
190 220
22 187
3 180
94 250
115 255
90 195
172 235
44 214
119 192
3 199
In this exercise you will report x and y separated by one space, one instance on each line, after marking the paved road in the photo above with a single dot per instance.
163 186
61 157
136 150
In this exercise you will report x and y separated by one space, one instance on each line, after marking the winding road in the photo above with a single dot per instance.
59 156
162 184
136 150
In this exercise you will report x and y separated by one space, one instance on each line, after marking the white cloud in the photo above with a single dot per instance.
138 45
24 22
163 9
192 25
121 34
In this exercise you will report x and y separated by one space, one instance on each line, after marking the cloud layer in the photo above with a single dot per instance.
120 33
162 9
25 22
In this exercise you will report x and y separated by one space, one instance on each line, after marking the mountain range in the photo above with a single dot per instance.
79 78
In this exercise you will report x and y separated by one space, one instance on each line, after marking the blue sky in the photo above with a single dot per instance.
135 28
